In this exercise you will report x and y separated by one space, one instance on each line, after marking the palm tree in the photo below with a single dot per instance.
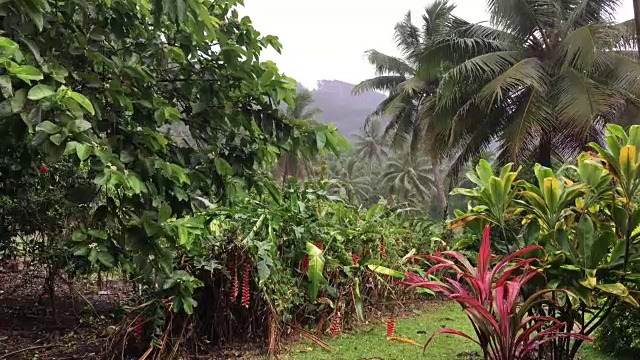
407 175
540 84
636 15
370 145
300 109
295 163
407 89
352 179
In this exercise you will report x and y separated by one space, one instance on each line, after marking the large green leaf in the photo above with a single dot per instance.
82 100
385 271
585 237
48 127
40 91
358 303
316 267
616 289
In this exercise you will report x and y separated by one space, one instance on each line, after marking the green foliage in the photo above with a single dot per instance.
585 217
619 335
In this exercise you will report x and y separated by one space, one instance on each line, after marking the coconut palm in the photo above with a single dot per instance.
539 84
295 163
351 176
407 89
370 145
408 176
300 109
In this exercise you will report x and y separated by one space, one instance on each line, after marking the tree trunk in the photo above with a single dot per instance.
636 14
544 153
441 197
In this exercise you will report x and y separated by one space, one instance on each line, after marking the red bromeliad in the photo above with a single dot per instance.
383 249
320 245
305 264
490 297
245 286
355 259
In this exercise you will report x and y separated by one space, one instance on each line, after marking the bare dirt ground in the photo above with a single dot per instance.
77 329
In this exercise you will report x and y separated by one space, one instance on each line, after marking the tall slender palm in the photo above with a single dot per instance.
408 176
540 84
407 89
370 145
295 163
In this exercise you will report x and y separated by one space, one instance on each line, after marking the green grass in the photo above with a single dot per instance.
371 343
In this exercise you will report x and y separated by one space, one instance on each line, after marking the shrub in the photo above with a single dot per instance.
619 335
490 297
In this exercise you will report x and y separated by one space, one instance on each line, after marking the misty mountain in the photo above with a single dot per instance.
345 110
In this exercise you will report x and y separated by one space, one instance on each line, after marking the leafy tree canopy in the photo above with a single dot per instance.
102 81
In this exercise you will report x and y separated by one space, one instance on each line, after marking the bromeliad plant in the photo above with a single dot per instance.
492 299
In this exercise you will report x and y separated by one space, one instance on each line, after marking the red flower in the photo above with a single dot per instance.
305 264
391 326
383 249
245 286
355 260
137 330
320 245
234 291
43 169
336 323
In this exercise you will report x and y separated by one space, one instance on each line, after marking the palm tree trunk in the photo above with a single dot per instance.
441 198
636 14
544 152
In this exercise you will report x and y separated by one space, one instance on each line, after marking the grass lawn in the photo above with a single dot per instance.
370 343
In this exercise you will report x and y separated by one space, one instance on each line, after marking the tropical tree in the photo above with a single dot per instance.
398 76
352 177
295 162
408 176
300 109
371 145
409 89
539 84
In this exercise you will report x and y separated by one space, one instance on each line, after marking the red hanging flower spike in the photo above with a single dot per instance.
137 330
355 260
320 245
43 169
335 324
245 286
305 264
234 291
391 326
383 249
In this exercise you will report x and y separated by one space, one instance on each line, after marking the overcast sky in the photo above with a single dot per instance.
326 39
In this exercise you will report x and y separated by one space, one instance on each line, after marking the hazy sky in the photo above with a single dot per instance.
326 39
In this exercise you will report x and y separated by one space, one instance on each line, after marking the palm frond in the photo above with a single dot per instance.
407 35
436 19
523 17
388 65
580 101
380 83
532 119
529 72
583 12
